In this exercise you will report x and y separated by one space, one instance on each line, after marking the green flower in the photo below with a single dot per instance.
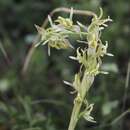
66 22
53 37
87 113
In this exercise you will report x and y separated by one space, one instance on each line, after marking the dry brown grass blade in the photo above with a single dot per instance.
4 53
124 113
126 86
114 122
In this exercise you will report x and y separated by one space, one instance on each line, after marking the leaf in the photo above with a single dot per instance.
40 30
77 82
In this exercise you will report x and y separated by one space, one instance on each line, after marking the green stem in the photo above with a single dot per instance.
75 114
75 33
85 85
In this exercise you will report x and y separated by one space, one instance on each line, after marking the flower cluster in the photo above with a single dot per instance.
57 35
90 57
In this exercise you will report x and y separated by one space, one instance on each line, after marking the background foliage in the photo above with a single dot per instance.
38 99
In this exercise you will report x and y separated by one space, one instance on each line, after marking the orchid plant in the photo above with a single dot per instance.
89 57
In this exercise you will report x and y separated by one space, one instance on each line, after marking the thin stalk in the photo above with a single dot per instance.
71 32
75 33
85 85
75 114
67 10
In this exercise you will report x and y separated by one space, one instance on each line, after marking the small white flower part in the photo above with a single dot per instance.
50 20
72 57
82 26
103 72
37 44
109 54
45 42
67 83
71 13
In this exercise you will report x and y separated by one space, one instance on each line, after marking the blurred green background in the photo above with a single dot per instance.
38 99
